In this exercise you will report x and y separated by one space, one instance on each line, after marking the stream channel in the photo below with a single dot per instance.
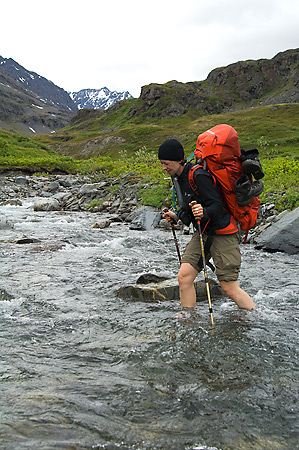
84 369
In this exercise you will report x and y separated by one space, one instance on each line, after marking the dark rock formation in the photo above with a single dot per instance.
282 235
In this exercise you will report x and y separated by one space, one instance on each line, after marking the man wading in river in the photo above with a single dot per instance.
219 229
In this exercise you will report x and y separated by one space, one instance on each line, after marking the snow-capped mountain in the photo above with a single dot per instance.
98 98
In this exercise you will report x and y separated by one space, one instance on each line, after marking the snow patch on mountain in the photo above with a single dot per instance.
97 98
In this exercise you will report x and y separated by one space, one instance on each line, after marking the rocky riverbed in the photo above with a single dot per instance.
119 200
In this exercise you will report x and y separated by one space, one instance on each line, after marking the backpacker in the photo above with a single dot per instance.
218 151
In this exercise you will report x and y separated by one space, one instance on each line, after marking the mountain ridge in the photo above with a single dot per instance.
38 84
30 103
23 111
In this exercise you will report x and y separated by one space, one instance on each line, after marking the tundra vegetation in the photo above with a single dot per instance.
273 130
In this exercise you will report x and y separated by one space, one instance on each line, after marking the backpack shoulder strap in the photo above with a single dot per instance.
191 175
178 191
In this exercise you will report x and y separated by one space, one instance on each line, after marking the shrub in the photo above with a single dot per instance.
154 196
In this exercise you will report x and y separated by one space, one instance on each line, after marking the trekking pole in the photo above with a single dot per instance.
174 237
175 241
204 266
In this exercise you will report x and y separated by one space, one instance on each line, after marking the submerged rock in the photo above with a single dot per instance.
166 290
5 224
26 240
5 296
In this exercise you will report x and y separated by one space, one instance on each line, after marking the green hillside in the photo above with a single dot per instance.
272 128
109 143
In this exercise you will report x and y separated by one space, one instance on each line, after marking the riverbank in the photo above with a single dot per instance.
117 198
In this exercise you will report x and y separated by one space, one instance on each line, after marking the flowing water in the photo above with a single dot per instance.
84 369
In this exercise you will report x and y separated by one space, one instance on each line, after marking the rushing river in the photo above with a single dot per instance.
84 369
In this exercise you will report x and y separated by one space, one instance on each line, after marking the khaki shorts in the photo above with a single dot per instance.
224 250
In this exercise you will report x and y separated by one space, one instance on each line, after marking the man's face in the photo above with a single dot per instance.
171 167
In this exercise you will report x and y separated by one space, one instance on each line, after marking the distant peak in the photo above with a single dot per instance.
98 98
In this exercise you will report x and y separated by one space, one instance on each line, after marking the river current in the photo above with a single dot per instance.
84 369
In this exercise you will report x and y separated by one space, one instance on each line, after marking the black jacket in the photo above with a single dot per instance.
209 197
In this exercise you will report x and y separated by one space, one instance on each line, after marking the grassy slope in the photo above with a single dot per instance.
278 125
21 152
274 130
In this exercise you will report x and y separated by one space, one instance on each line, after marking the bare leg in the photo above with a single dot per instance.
240 297
186 277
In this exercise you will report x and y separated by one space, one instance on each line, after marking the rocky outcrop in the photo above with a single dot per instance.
268 80
239 85
282 235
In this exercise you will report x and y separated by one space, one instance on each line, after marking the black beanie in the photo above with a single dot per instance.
171 150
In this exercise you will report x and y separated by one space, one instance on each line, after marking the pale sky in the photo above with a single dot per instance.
124 45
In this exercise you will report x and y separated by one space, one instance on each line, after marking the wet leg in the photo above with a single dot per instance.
240 297
186 277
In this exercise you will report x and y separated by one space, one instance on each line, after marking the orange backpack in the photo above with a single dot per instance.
218 151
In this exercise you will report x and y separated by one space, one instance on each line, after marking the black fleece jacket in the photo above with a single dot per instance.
209 197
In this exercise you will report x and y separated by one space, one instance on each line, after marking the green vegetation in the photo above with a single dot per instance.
281 182
154 196
21 152
94 203
123 146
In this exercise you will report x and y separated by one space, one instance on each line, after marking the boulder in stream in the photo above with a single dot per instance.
102 224
282 235
166 290
145 218
47 204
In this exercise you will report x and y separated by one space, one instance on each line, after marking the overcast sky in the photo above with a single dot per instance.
124 45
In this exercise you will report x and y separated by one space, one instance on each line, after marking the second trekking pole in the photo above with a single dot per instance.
204 266
175 241
172 222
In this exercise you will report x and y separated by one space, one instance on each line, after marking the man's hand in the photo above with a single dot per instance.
170 216
197 210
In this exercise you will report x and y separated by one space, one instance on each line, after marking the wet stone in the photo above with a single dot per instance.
166 290
5 296
150 278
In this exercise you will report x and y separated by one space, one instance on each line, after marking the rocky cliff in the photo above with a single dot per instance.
237 86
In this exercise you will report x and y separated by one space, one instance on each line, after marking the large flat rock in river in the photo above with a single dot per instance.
166 290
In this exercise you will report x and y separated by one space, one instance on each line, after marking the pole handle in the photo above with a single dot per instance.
194 202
